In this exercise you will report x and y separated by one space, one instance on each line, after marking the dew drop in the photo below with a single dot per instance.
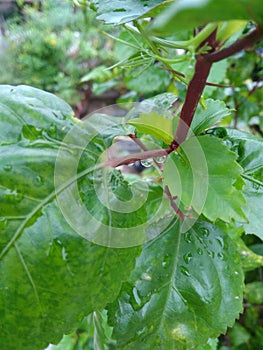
136 296
210 253
146 277
52 129
236 273
39 180
220 241
147 162
161 159
188 257
237 297
3 223
184 270
220 256
188 237
164 263
13 196
64 253
199 251
204 231
7 167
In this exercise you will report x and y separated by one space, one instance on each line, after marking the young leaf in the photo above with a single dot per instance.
159 127
118 11
196 176
185 288
51 277
205 118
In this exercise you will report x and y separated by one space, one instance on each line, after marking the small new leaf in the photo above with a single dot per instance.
159 127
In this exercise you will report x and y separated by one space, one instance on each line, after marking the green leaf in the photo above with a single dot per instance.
159 127
239 335
249 150
205 118
118 11
200 181
189 14
185 288
51 277
254 292
153 79
99 74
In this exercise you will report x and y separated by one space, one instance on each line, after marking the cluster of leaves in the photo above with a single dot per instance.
52 49
184 286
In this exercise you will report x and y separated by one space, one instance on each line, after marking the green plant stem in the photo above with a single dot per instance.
190 45
247 177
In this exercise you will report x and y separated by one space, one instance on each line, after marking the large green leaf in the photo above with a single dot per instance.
189 14
50 276
202 174
118 11
185 288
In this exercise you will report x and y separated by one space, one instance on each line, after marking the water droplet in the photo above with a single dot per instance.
39 180
7 167
210 253
164 263
13 196
236 273
146 277
237 297
184 270
52 129
136 296
199 251
161 159
3 223
220 241
220 255
64 253
188 257
255 186
147 162
228 143
204 231
188 237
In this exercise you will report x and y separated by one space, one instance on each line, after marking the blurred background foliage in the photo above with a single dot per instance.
59 47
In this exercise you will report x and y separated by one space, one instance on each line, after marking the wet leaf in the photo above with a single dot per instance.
118 11
185 288
50 276
195 175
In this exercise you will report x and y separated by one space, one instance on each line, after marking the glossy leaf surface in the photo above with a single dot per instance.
185 288
118 12
205 118
50 276
156 125
204 184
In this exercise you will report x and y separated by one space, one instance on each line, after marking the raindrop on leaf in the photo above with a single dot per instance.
184 270
147 162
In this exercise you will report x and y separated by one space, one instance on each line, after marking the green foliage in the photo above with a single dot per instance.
52 50
113 260
172 297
